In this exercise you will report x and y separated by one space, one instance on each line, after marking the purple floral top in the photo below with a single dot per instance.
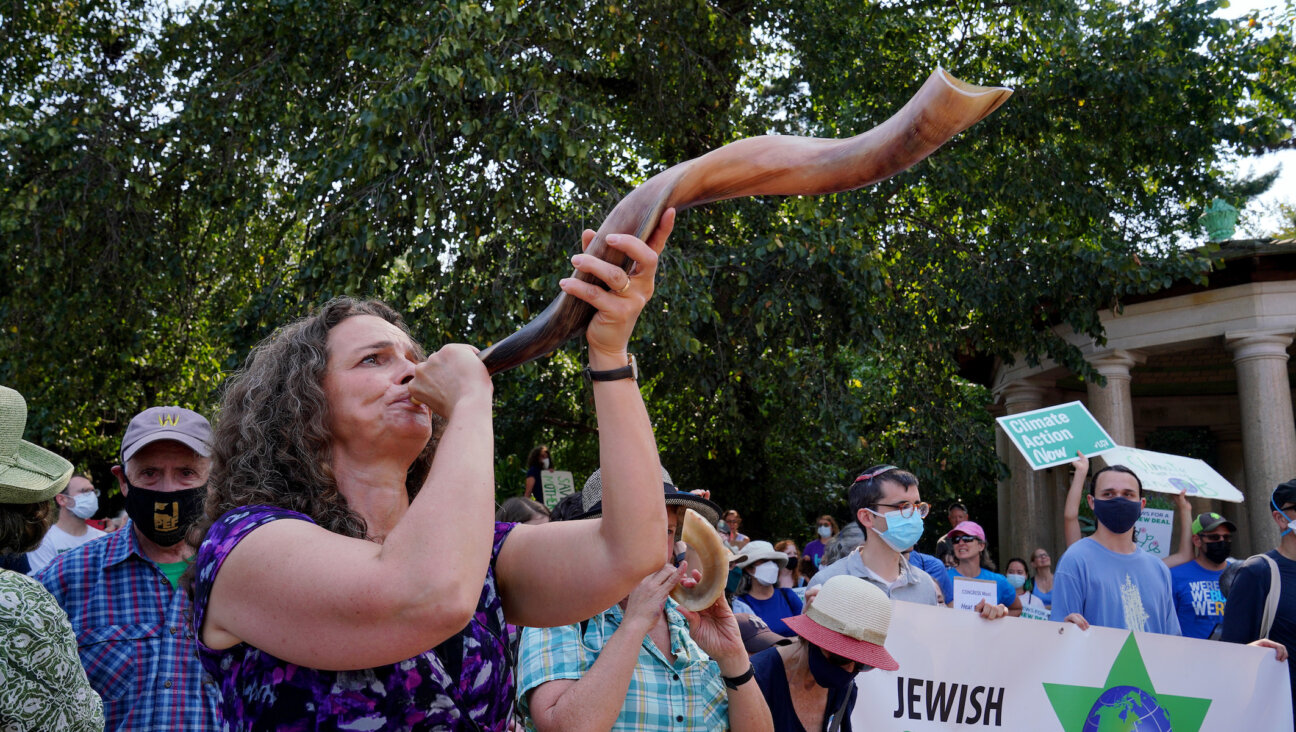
262 692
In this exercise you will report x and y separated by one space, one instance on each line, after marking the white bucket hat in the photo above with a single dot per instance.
28 474
755 551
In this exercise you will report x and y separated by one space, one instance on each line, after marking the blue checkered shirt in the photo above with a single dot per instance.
134 636
685 695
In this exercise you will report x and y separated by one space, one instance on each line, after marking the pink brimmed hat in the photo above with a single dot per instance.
849 617
970 528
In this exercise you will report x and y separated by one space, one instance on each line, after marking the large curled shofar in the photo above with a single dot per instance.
773 165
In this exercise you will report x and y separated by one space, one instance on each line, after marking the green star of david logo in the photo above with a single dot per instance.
1123 707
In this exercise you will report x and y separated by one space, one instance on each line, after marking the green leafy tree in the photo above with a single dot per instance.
179 181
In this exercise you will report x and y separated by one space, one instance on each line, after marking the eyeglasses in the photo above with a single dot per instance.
965 539
907 509
1215 538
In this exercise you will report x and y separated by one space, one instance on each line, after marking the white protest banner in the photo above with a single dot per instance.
968 592
958 671
1167 473
1053 435
1152 531
554 484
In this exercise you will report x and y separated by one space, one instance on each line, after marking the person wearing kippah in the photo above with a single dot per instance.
42 684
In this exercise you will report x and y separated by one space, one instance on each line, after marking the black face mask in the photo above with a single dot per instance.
1218 551
164 517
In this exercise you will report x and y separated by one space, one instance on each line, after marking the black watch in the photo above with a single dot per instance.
733 682
629 371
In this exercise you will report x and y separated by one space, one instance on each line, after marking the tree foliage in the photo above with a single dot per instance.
180 180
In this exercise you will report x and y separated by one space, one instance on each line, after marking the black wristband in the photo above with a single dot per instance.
733 682
629 371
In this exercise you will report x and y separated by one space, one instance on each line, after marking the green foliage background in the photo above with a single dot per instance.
178 179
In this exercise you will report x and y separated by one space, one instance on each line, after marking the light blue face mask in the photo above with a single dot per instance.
902 533
1291 525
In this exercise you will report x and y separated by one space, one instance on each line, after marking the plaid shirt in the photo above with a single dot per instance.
685 695
133 635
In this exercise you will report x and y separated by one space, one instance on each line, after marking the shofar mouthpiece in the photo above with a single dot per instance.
706 553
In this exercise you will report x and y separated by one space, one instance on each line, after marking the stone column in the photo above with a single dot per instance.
1024 522
1268 433
1112 405
1231 466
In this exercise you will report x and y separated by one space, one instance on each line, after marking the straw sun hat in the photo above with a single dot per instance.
849 617
592 498
28 474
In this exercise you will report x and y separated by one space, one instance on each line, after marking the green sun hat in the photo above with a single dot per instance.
28 474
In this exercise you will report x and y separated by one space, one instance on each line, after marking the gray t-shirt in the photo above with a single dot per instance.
913 584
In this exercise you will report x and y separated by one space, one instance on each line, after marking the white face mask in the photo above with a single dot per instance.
85 506
544 463
766 574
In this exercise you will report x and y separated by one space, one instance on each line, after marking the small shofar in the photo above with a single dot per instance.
773 165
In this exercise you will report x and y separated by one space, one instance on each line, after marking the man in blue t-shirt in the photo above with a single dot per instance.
1196 584
1245 608
1105 579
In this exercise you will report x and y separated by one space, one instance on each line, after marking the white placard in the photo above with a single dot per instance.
1167 473
1153 530
554 485
968 592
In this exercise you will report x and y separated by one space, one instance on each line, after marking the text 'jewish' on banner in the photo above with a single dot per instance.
958 671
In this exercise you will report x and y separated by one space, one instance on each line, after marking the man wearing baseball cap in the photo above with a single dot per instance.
122 593
1195 584
1250 615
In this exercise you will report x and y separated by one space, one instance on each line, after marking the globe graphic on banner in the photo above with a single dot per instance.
1126 709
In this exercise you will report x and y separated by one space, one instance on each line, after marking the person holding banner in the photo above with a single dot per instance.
1250 612
808 684
889 511
968 540
1106 579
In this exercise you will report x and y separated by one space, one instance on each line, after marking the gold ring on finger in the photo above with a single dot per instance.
623 289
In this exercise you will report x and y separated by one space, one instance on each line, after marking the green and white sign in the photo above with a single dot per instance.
1166 473
1052 436
554 484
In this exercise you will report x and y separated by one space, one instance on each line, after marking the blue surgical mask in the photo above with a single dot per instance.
1117 514
1291 524
1016 580
825 531
901 533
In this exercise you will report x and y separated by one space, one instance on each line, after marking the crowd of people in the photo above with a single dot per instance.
325 557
